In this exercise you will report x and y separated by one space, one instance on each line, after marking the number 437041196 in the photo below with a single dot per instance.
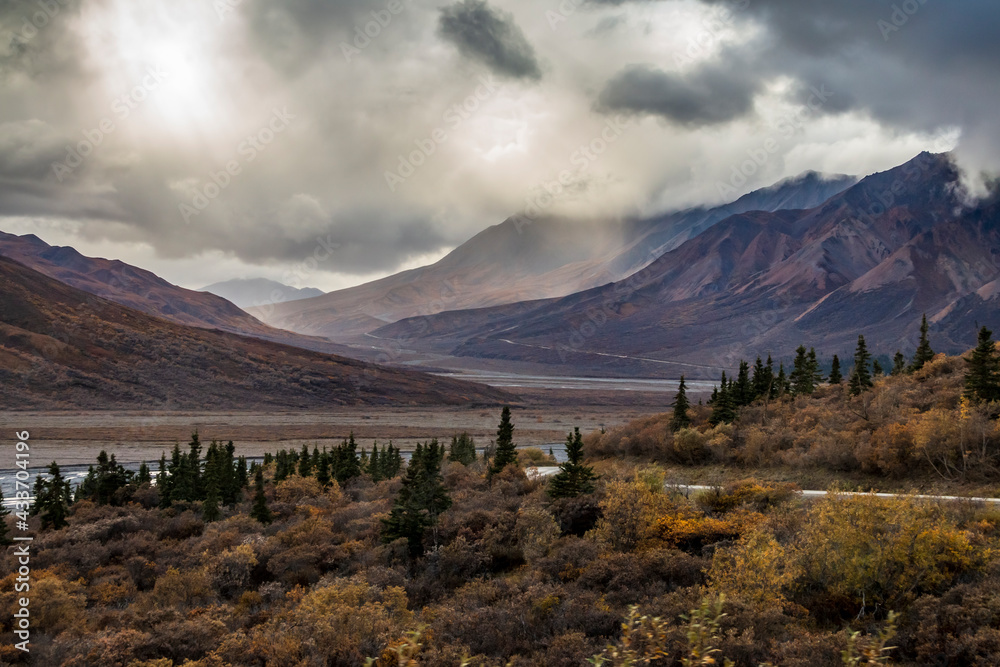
21 486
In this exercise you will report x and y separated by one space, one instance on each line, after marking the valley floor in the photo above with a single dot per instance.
76 437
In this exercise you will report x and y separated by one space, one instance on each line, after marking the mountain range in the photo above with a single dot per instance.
814 260
522 260
868 260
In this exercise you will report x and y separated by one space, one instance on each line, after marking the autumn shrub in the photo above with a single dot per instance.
294 489
536 530
862 553
176 589
752 494
757 569
629 514
534 456
232 570
339 621
689 447
180 527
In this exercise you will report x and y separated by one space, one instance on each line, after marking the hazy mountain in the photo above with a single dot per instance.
61 347
869 260
247 292
521 260
140 289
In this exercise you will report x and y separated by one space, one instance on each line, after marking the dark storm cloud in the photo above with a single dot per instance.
491 36
709 96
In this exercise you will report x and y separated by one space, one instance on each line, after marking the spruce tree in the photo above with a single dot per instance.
305 462
898 363
816 376
763 376
681 405
375 464
835 375
742 389
877 369
259 510
420 501
323 471
861 378
506 453
723 407
210 506
781 384
242 476
982 377
347 465
573 479
144 476
53 501
924 352
801 376
392 462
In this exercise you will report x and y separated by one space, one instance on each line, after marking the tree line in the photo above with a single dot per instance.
982 383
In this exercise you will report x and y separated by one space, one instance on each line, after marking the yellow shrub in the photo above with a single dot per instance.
756 569
869 551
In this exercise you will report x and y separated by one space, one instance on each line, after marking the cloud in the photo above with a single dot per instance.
491 36
754 65
709 96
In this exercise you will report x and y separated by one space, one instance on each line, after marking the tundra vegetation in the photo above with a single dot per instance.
353 556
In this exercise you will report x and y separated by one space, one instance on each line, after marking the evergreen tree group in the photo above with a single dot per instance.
217 479
574 478
463 449
52 499
420 501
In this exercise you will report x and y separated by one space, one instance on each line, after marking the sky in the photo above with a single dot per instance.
327 143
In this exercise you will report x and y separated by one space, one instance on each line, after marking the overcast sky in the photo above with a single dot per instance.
211 139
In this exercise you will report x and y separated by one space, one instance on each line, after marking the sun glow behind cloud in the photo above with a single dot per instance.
128 41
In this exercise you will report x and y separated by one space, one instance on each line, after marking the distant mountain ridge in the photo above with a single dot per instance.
248 292
513 262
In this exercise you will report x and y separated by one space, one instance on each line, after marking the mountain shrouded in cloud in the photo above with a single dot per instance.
115 115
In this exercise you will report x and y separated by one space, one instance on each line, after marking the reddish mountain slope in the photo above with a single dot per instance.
61 347
140 289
